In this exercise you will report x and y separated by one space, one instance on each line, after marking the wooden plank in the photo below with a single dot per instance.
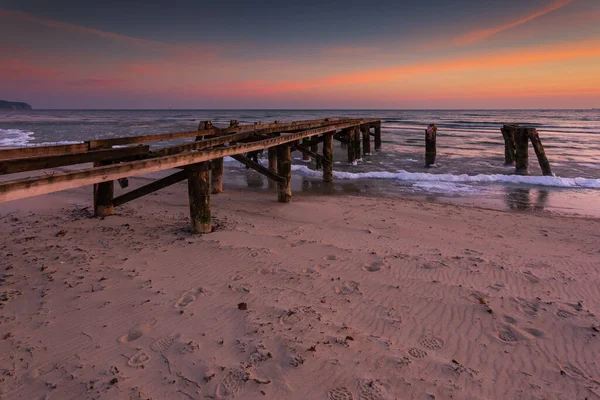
258 168
40 151
150 188
28 187
199 197
44 162
275 127
284 169
103 196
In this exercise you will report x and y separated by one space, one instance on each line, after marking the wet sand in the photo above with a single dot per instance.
329 297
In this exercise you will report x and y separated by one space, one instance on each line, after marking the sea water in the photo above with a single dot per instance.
470 151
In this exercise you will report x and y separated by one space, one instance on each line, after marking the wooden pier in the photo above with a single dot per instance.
199 161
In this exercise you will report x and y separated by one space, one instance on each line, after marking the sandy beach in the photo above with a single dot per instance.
329 297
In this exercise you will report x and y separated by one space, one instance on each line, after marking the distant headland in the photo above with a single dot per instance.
14 105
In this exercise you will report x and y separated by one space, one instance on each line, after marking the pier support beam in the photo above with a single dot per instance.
199 197
216 176
357 154
521 151
328 157
508 132
349 134
284 169
430 145
366 139
103 196
378 136
272 154
539 151
305 157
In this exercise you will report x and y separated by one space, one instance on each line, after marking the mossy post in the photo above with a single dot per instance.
103 196
216 176
508 132
430 144
199 197
539 151
521 151
272 154
366 139
378 136
284 169
328 156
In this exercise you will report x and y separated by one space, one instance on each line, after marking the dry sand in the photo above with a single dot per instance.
347 298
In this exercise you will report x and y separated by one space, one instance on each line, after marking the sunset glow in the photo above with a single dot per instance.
538 54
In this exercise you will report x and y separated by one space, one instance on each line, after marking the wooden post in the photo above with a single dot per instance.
305 157
216 176
430 144
378 136
366 139
233 123
318 161
350 145
103 196
356 131
521 151
199 197
539 151
284 169
328 157
508 132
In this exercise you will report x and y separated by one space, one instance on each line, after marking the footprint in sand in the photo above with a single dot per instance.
138 331
535 332
339 393
527 307
349 287
509 335
417 353
185 300
139 359
162 345
531 277
431 343
232 384
373 267
564 314
370 389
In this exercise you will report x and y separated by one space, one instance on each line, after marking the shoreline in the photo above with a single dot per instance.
381 297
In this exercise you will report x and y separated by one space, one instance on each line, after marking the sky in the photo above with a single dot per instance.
350 54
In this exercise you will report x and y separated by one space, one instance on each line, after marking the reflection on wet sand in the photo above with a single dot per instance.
521 199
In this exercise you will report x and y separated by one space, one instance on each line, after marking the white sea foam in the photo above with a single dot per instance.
14 137
552 181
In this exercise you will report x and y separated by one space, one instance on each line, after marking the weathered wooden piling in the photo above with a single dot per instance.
377 126
272 155
305 156
284 169
539 151
508 132
199 197
216 176
430 144
366 139
357 154
349 136
521 151
328 156
103 196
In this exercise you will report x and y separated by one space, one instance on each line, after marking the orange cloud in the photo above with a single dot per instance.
481 34
519 58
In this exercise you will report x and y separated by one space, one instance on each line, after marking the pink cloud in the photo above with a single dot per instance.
482 34
96 82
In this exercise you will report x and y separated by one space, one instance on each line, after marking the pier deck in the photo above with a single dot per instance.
199 161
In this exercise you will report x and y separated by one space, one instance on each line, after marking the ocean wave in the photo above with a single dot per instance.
14 137
401 175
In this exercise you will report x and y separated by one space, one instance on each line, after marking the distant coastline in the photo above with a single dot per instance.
14 105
